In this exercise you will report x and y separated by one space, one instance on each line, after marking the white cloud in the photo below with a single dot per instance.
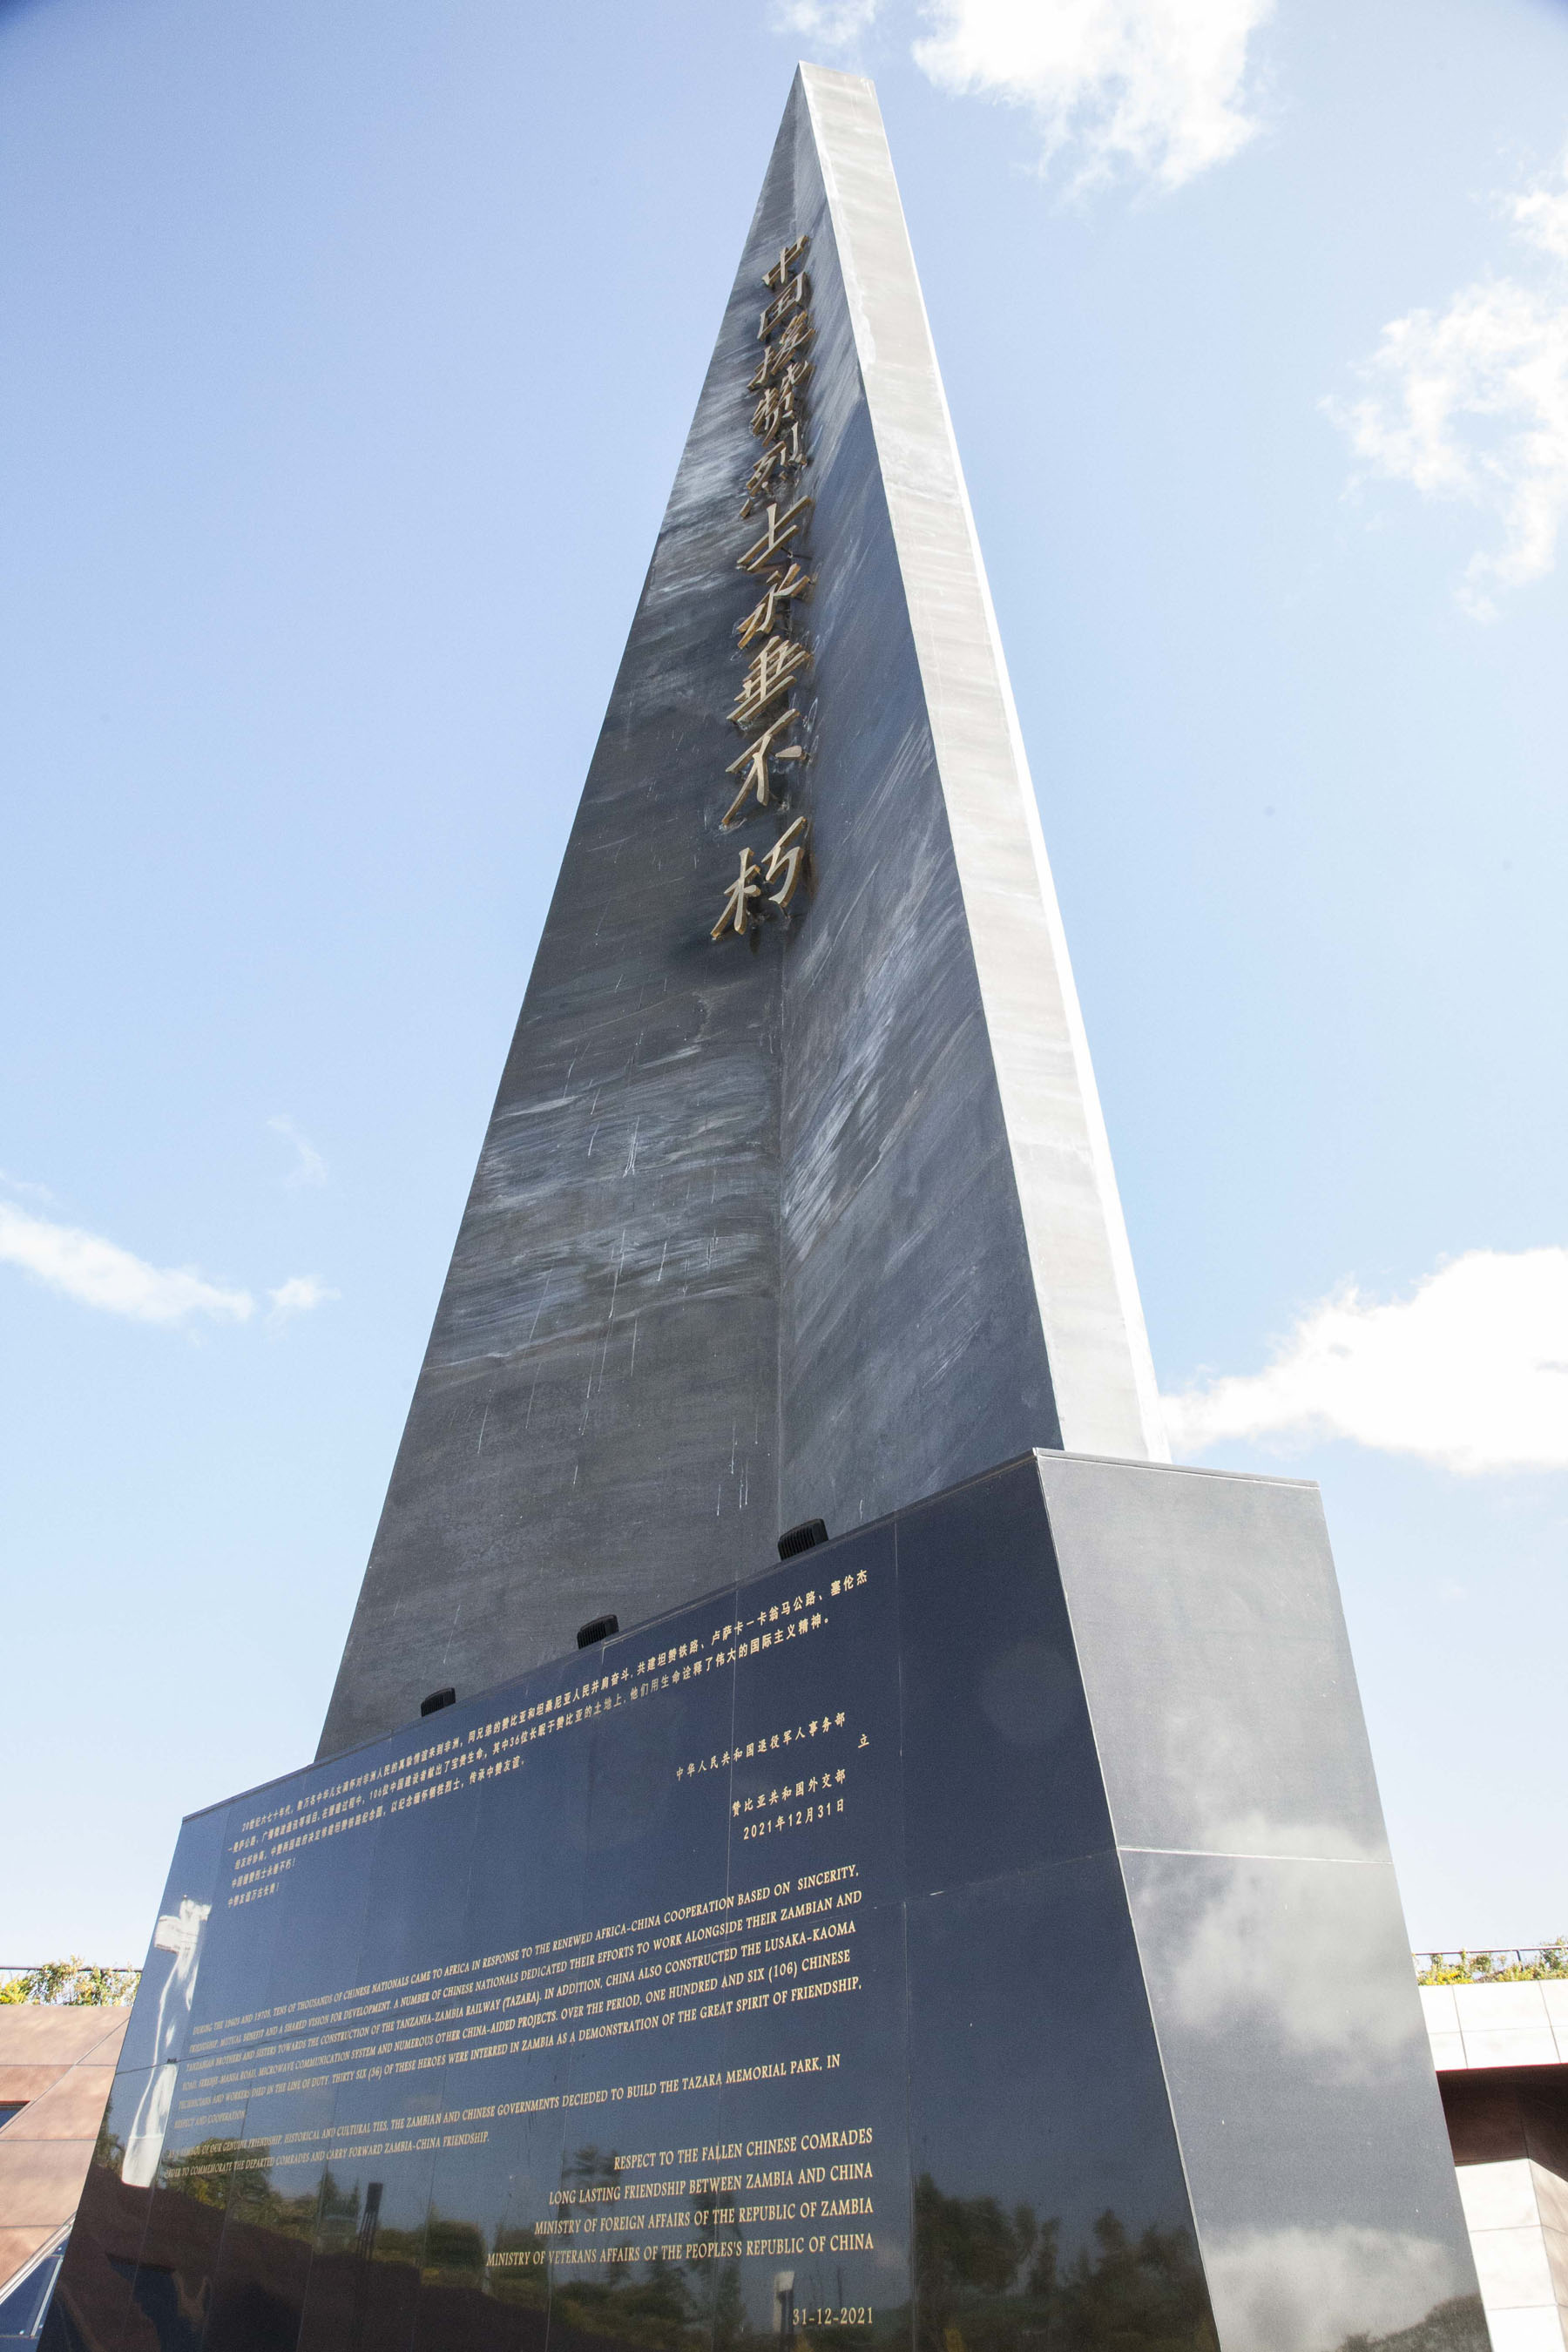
834 24
1470 403
96 1273
100 1274
1541 215
1264 1948
309 1167
28 1191
1470 1372
297 1297
1308 2290
1156 87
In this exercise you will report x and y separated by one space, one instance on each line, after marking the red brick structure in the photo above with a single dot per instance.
57 2066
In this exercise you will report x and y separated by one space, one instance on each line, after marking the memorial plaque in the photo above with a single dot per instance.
793 1970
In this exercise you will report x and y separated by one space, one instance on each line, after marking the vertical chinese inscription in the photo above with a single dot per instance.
771 634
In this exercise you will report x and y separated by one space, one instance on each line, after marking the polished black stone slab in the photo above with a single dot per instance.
976 1934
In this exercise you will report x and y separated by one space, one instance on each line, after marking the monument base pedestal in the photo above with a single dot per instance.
978 1932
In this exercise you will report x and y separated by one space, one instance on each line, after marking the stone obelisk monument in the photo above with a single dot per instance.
1006 1873
815 1217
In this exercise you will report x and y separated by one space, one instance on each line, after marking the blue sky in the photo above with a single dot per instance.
350 350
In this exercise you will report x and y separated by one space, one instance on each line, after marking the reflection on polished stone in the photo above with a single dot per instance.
798 1971
997 2281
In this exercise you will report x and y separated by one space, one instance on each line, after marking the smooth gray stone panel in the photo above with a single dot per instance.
1207 1628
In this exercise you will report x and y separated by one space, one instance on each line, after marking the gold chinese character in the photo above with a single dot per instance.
754 762
787 258
784 865
787 858
797 334
792 295
785 456
786 584
778 406
781 529
775 666
737 915
758 482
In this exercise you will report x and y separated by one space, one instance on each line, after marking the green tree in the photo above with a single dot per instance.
1147 2291
1497 1968
968 2251
72 1983
988 2279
